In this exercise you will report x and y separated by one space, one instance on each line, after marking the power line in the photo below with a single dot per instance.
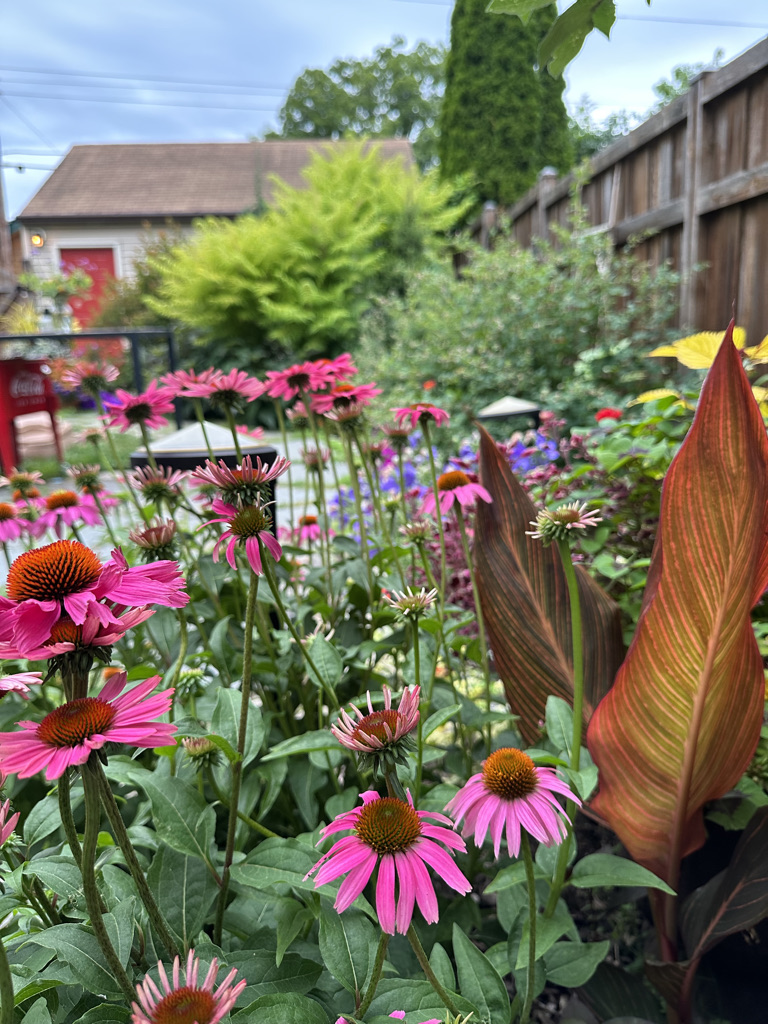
255 86
624 17
133 103
10 80
26 167
24 120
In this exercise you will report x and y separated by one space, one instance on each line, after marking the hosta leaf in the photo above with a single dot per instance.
683 719
524 599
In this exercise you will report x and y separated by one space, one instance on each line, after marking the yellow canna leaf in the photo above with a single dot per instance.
758 353
698 351
654 396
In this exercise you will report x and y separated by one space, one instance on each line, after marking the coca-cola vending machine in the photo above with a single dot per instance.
24 387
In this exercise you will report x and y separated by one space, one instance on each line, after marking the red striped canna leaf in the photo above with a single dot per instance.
524 599
683 718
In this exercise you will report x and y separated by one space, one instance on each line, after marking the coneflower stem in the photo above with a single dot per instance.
201 420
90 888
6 988
480 621
67 821
438 516
530 882
378 966
284 435
417 673
366 554
563 853
424 963
132 861
117 462
233 430
272 584
237 767
145 439
105 517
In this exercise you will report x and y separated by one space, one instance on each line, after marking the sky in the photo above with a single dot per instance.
172 70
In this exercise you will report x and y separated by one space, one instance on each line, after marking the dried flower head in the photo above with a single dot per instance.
159 484
558 524
409 603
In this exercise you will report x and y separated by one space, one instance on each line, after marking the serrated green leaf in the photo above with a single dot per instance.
78 948
348 947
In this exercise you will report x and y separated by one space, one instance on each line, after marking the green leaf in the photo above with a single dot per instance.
522 8
120 924
180 814
106 1015
328 662
348 947
440 963
318 739
439 718
59 874
184 889
291 918
548 931
79 949
415 997
277 861
604 869
44 818
687 705
567 34
479 980
38 1013
512 875
226 722
266 977
284 1008
572 964
559 722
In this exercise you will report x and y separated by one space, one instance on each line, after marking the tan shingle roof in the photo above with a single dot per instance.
170 179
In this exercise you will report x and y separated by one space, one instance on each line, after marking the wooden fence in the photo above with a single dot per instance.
696 176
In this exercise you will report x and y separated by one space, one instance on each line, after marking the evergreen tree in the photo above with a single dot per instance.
502 117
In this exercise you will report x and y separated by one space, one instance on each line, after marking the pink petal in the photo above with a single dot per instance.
385 894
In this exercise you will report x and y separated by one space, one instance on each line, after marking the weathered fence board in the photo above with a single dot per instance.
696 176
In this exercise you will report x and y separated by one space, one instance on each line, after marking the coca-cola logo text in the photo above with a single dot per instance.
27 385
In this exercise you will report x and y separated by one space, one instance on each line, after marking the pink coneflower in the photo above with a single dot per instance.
12 525
180 381
308 530
308 376
398 437
93 378
342 396
558 524
511 792
371 733
298 415
7 825
185 1000
86 478
348 417
64 508
67 636
20 683
401 840
67 735
420 413
338 369
125 410
228 391
21 480
454 486
156 539
313 459
247 526
67 578
161 483
244 483
257 434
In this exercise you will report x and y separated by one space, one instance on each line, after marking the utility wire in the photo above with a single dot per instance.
133 103
255 86
14 81
25 121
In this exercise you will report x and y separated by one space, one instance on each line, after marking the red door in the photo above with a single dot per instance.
99 264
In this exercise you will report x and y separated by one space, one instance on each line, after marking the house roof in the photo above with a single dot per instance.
176 179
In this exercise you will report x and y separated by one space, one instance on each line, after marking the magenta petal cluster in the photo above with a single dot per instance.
226 387
20 682
398 1015
454 487
7 825
183 998
511 794
12 525
62 509
420 412
125 410
67 579
247 526
67 735
403 842
378 729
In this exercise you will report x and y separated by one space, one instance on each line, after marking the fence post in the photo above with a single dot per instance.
694 158
547 181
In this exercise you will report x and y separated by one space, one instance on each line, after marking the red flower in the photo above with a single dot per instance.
608 414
